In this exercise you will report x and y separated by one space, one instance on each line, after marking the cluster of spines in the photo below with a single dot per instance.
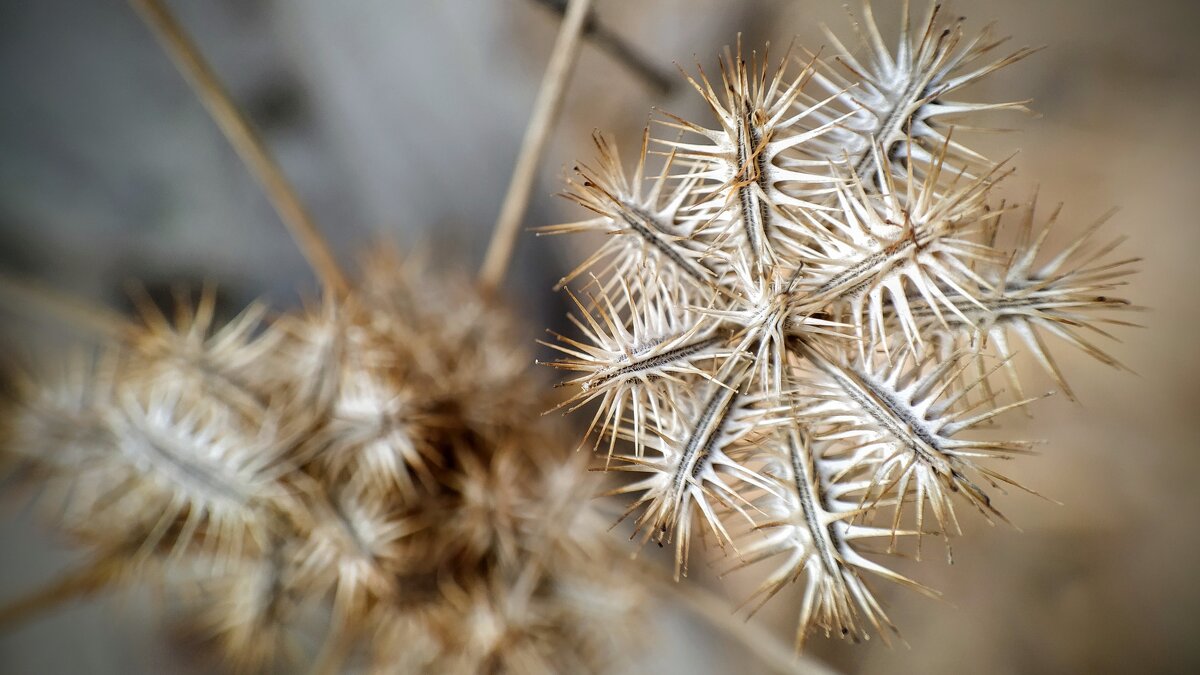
790 325
344 466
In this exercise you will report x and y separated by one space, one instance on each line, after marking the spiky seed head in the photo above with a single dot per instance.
788 327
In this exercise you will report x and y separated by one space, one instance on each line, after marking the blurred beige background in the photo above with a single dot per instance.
402 118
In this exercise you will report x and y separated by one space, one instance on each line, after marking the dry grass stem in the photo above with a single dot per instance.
537 134
245 141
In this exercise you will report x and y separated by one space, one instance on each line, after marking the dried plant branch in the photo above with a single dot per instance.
27 297
541 124
246 142
716 612
95 575
604 37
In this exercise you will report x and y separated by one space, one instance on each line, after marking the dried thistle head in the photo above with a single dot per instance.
377 465
791 325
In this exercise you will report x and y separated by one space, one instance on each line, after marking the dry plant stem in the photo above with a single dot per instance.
333 653
36 300
717 613
74 584
245 141
600 35
541 122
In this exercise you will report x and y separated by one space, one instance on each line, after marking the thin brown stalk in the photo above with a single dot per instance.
72 585
777 657
629 57
245 141
541 122
31 298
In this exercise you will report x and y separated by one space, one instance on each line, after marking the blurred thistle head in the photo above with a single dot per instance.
333 461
